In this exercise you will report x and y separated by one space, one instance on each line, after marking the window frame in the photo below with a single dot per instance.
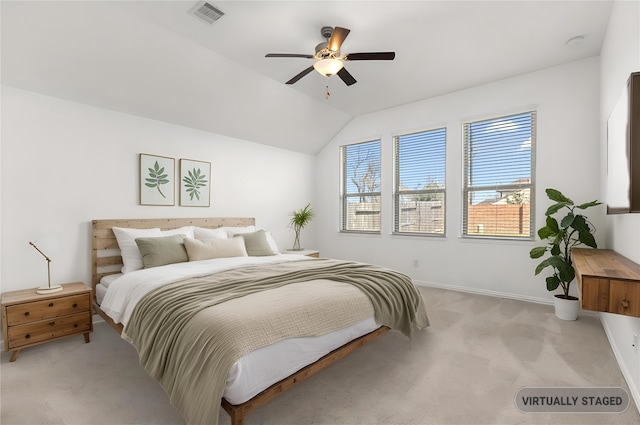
466 189
398 192
345 195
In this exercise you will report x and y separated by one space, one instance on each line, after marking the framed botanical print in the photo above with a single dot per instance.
195 183
157 180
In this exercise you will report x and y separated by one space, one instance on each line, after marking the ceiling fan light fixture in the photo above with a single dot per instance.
328 67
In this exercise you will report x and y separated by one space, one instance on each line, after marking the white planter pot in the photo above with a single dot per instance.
566 309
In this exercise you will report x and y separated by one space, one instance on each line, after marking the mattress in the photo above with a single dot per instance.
101 291
259 369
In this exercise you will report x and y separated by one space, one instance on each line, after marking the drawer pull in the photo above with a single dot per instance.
50 304
625 304
52 323
75 305
75 325
27 336
26 313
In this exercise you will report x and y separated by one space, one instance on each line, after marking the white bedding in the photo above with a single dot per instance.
125 292
256 371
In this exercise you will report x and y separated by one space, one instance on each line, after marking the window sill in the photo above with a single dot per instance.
420 235
359 232
495 240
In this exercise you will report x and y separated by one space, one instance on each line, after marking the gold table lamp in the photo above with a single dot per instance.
43 290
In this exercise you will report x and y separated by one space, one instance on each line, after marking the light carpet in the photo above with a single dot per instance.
464 369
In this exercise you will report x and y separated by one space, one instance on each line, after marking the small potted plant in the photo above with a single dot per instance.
572 230
299 219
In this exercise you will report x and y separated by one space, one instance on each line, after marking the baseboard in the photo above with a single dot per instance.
635 392
496 294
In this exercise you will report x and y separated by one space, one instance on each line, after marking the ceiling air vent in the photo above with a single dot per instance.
207 12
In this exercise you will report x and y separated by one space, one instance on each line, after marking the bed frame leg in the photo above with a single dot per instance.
236 413
237 418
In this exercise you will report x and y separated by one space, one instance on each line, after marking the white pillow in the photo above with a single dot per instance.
131 257
272 243
232 231
214 248
186 231
203 233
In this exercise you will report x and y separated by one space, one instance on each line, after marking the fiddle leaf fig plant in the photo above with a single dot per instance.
299 219
573 230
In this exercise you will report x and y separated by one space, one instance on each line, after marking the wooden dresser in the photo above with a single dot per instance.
607 281
30 319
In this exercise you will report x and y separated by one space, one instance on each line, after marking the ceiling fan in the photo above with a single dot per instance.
329 61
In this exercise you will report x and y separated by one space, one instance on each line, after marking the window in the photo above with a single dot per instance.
499 157
360 169
419 201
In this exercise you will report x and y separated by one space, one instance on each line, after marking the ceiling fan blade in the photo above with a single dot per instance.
337 38
372 56
346 77
300 75
287 55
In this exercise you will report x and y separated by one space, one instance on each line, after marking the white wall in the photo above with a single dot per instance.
64 164
620 55
566 99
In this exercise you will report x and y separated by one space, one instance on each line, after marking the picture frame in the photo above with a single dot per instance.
195 183
157 180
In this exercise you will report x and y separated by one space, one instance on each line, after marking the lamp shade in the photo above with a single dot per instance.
328 67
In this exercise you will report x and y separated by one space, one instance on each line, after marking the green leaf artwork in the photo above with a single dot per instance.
157 177
194 182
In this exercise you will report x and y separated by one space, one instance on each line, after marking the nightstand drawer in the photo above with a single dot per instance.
46 309
48 329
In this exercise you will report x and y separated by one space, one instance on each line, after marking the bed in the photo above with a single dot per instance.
162 306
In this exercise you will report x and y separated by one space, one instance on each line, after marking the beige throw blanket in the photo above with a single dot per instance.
188 334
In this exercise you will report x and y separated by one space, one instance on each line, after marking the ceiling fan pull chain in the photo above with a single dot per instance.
328 94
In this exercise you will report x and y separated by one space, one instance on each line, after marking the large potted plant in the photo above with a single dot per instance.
572 230
299 219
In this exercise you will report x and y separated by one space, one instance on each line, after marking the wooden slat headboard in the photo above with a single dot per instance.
104 262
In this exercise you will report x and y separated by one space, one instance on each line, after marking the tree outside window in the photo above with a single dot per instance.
361 187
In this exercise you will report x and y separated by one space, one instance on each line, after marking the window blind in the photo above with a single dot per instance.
419 187
360 191
499 160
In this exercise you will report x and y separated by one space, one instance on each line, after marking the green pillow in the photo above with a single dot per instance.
256 243
159 251
214 248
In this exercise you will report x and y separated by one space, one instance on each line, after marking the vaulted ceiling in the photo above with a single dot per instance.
157 60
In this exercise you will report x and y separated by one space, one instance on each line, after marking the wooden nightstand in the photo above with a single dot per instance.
308 252
30 319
